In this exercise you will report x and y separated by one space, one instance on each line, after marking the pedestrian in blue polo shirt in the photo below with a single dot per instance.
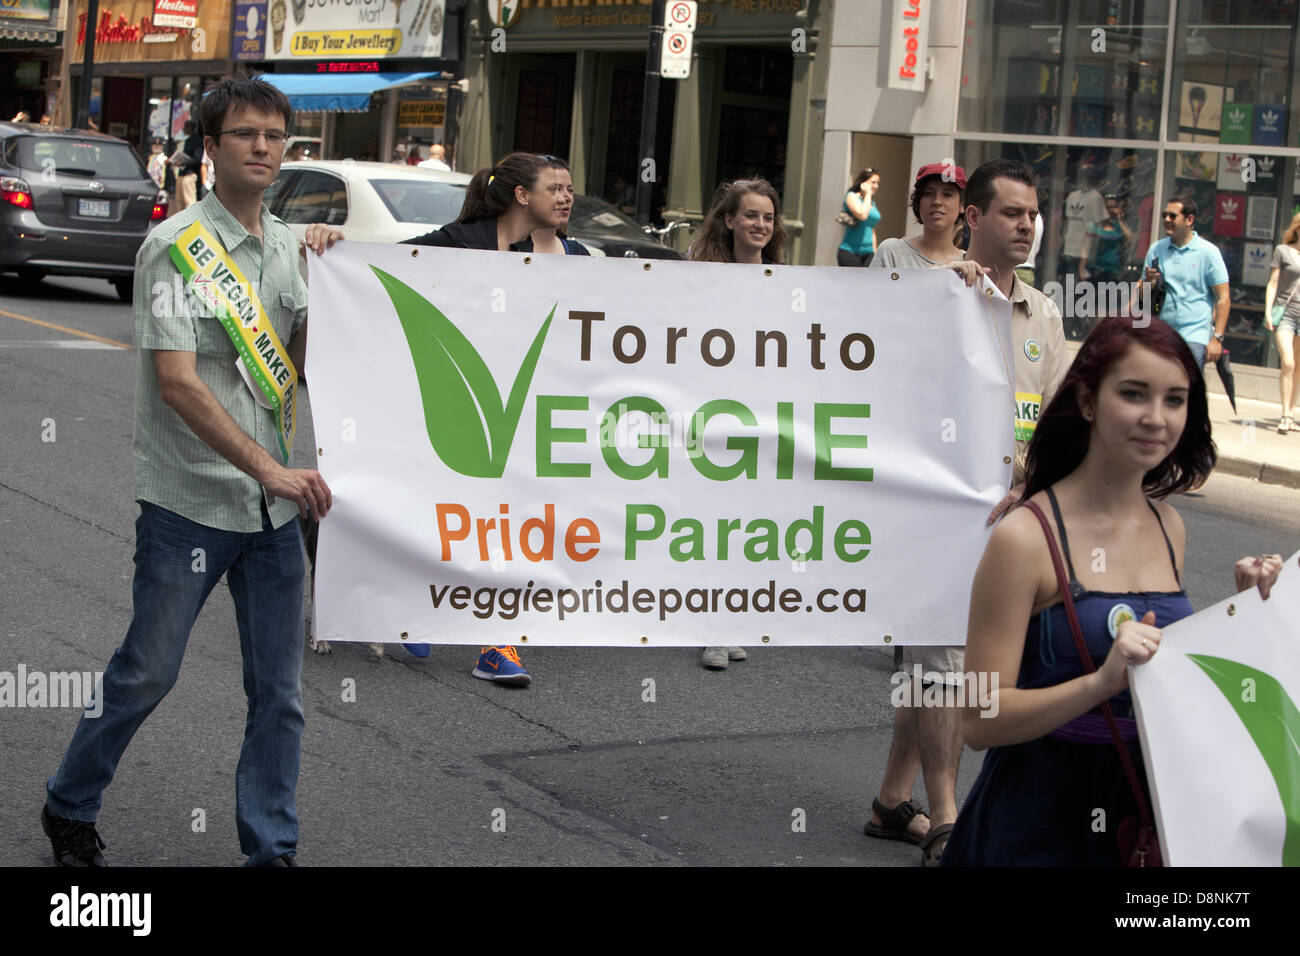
1196 281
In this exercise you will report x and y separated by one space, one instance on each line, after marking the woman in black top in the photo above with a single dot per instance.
504 205
556 182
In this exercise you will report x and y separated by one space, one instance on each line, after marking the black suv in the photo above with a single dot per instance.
73 202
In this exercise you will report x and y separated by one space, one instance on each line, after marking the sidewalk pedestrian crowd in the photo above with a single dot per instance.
1116 431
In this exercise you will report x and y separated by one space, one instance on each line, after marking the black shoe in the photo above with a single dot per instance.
75 843
284 859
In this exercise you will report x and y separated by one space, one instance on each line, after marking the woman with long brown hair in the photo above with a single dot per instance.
503 206
742 225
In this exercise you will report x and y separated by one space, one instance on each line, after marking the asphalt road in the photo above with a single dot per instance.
579 767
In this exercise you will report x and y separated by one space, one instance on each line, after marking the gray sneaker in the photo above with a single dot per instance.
714 658
737 654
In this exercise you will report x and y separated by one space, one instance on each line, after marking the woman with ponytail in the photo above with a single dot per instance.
504 205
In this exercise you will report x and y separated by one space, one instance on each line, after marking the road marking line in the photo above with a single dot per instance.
64 328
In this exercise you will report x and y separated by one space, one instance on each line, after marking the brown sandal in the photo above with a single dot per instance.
893 823
930 854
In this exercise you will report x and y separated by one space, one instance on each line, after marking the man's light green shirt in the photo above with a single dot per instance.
173 467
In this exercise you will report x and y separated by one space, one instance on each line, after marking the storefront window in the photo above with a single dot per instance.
754 115
1230 74
1225 118
1064 68
422 117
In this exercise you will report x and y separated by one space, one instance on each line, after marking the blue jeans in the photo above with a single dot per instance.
1198 353
264 572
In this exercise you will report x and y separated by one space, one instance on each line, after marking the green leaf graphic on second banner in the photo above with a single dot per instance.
1273 722
468 426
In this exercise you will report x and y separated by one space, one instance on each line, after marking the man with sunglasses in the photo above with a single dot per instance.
1195 279
217 295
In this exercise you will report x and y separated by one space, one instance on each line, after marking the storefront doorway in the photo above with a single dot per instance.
359 135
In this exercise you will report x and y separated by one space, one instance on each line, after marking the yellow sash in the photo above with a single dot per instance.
211 274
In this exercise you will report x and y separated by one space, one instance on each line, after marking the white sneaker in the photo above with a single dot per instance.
714 658
737 654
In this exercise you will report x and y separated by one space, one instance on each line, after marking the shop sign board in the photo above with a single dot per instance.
131 31
909 31
176 13
429 113
339 29
25 9
251 26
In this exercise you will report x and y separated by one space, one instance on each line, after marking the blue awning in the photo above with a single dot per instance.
337 92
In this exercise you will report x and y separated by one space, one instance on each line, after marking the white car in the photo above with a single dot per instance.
384 202
370 202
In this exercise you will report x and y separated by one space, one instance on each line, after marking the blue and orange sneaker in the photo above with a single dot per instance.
502 666
418 650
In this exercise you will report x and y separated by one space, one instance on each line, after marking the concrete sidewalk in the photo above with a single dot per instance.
1248 440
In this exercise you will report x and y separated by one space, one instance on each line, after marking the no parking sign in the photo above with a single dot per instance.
679 33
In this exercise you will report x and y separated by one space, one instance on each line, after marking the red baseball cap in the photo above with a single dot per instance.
950 173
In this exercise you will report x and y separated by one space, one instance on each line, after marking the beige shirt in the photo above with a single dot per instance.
1038 347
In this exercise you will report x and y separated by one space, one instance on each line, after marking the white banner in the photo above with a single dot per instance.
651 452
1217 712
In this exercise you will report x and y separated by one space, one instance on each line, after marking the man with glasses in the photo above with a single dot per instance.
1195 279
212 475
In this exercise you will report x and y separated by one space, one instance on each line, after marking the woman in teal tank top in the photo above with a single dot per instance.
859 245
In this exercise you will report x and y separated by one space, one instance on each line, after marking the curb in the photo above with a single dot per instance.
1260 471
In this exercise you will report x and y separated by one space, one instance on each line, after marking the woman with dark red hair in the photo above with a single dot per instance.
1128 427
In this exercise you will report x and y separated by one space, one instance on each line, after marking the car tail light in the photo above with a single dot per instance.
159 207
16 192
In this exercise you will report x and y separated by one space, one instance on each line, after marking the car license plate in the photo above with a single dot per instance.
92 207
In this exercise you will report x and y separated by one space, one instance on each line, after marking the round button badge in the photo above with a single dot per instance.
1117 616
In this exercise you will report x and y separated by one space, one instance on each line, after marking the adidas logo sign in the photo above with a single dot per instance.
1258 255
1269 120
1237 116
1266 164
1229 208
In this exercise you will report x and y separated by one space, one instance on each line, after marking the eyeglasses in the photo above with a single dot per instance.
274 137
1169 215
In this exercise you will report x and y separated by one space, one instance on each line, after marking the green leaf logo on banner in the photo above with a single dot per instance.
1273 722
468 426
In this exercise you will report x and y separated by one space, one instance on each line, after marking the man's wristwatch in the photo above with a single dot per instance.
1219 337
